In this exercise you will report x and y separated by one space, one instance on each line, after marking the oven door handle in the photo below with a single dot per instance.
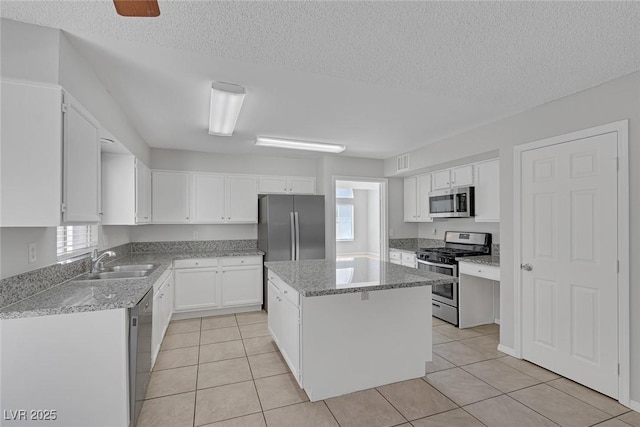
451 266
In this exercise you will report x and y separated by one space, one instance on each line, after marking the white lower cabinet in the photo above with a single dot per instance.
162 310
395 257
284 322
217 284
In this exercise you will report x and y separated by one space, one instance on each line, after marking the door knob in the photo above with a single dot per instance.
526 267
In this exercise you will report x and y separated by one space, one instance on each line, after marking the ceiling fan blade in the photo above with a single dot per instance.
143 8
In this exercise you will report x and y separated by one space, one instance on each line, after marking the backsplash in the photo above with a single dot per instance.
414 243
192 246
495 249
24 285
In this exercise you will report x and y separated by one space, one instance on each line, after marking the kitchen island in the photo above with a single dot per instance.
349 325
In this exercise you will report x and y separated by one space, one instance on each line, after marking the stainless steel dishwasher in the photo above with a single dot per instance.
140 329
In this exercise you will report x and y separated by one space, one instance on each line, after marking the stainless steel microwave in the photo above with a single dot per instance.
452 203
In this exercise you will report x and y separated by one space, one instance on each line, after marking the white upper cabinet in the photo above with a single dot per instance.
126 190
286 185
50 158
143 193
170 197
208 198
456 177
487 191
416 198
441 179
81 167
410 204
31 155
462 176
204 198
241 199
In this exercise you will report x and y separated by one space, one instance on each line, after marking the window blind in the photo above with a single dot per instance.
74 240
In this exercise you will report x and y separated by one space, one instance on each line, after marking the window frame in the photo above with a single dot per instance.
74 241
338 217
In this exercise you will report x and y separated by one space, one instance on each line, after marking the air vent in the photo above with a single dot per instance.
403 163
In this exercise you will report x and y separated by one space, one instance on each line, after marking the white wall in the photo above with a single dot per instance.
228 163
78 77
29 52
373 213
395 198
612 101
162 233
436 229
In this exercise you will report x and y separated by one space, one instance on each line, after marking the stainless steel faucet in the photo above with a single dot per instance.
96 261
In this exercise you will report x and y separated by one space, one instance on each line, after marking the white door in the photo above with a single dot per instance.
569 255
441 180
462 176
422 198
302 185
143 193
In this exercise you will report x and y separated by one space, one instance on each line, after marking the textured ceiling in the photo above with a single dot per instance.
380 77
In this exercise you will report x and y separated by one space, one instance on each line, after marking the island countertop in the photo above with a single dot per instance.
328 277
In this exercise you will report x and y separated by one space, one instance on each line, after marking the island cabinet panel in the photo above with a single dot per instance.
356 341
284 322
74 364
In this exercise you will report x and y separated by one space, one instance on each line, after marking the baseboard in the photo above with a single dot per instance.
496 321
507 350
214 312
634 405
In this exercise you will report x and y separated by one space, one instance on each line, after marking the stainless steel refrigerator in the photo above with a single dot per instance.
290 228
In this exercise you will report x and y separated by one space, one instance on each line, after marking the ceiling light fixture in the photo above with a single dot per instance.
226 101
265 141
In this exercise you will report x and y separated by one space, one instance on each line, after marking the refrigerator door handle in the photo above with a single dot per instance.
297 221
293 233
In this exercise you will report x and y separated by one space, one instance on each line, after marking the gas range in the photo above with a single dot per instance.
457 244
443 260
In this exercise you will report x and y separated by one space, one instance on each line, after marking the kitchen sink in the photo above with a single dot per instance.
123 272
132 267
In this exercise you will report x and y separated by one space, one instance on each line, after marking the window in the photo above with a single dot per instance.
344 193
76 240
344 221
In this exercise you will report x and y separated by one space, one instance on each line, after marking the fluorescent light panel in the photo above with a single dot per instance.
226 101
299 145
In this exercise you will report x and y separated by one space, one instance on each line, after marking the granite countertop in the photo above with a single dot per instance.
490 260
328 277
81 295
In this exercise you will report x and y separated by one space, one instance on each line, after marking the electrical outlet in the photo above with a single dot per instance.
195 234
364 296
33 253
435 232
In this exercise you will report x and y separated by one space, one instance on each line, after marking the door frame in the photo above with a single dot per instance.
622 129
384 239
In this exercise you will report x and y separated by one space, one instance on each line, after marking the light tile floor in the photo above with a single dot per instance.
225 371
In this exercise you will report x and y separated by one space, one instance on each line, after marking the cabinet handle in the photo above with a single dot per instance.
285 292
221 217
187 217
241 262
229 218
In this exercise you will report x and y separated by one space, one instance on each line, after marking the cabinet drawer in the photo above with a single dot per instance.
408 257
395 255
196 263
286 290
290 293
230 261
478 270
